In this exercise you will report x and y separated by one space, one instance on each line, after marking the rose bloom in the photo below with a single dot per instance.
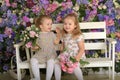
66 64
32 34
29 45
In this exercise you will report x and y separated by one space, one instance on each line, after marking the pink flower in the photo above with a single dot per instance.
75 65
8 31
51 8
26 19
109 22
95 2
67 65
29 45
36 9
59 18
64 68
91 15
66 5
32 34
7 3
70 70
14 5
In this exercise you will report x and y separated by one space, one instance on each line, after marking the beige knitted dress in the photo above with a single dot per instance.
46 43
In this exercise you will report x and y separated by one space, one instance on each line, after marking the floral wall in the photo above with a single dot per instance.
16 15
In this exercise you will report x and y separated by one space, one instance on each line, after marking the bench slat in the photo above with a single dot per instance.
92 25
95 46
94 35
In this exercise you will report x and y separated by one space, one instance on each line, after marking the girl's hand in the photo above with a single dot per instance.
34 48
77 58
58 31
58 35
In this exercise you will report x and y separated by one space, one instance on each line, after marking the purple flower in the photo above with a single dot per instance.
36 9
100 17
44 2
106 17
101 0
111 29
87 11
82 2
9 13
5 67
3 8
109 3
117 46
10 48
14 19
26 19
1 38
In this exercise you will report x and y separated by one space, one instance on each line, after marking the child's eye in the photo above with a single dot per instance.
69 23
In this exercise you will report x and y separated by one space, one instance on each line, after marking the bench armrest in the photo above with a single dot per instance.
111 40
18 44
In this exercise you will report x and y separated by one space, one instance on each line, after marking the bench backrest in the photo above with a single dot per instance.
94 35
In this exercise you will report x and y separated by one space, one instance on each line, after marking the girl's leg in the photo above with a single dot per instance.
50 67
57 72
35 68
78 73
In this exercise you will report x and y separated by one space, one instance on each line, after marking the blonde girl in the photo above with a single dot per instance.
74 43
47 52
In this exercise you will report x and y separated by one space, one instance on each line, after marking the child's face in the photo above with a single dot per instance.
46 25
69 25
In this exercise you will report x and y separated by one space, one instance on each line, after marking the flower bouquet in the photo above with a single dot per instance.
68 63
29 36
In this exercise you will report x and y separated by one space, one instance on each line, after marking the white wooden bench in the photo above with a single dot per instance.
106 61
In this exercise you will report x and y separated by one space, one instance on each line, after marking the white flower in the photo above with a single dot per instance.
76 7
116 4
28 38
104 7
28 28
31 20
37 29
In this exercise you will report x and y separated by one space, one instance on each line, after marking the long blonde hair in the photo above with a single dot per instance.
77 30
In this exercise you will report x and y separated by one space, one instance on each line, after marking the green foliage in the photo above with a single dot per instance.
74 2
117 66
60 1
82 62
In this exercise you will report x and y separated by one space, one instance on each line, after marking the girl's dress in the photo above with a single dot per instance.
71 45
47 47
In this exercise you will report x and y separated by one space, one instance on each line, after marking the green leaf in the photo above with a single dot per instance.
82 62
60 1
74 2
73 59
112 35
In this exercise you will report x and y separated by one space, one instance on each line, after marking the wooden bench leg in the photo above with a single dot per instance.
19 76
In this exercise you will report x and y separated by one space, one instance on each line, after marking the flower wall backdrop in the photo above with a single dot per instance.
16 15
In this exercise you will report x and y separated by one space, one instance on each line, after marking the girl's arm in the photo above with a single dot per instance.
58 35
62 47
81 50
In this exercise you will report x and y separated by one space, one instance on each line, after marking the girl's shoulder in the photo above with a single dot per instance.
79 37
